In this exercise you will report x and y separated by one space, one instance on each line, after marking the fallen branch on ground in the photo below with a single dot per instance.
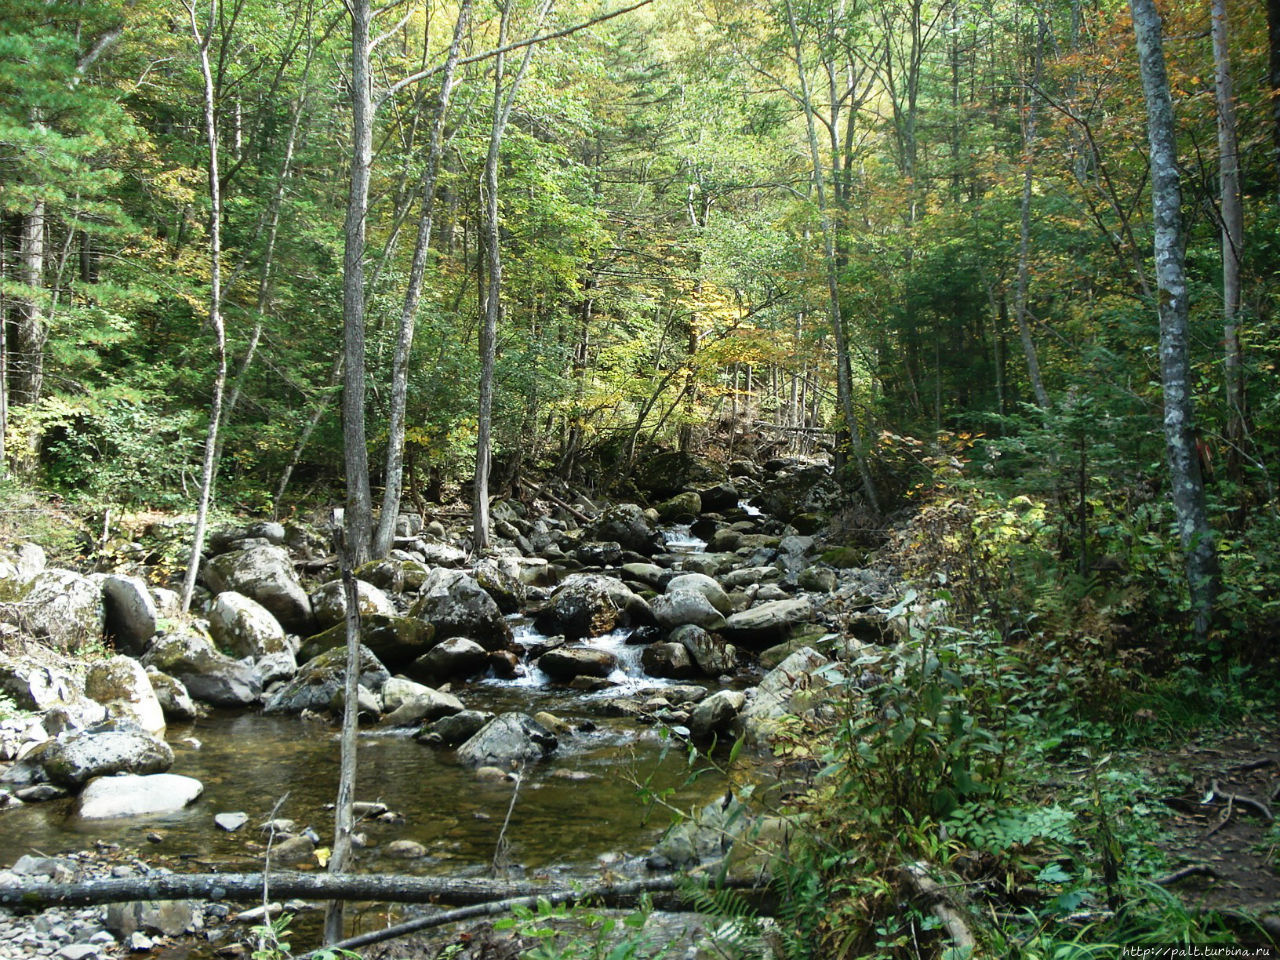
607 893
1216 792
933 896
1191 870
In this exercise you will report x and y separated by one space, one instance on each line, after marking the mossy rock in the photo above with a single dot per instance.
808 523
395 641
845 558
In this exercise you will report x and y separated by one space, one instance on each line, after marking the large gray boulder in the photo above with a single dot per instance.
395 574
263 572
209 676
501 580
122 686
329 603
723 496
320 682
396 641
767 623
132 795
507 738
565 663
244 627
455 729
457 606
626 524
712 655
668 660
44 687
131 613
707 586
457 658
682 508
717 716
423 707
790 689
172 695
75 760
63 607
680 607
588 605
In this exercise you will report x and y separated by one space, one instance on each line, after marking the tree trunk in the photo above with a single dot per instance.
503 102
844 384
385 533
1232 233
26 371
1179 415
210 467
1024 224
1273 45
359 512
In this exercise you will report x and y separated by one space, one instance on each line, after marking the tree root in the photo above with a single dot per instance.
1191 870
1239 799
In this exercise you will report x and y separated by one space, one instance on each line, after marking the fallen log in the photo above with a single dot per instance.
248 887
610 894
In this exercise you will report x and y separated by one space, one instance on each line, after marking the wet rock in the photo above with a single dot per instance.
588 605
264 573
423 707
244 627
405 850
717 715
368 703
122 686
172 695
299 849
648 574
130 611
565 663
701 583
500 578
396 641
680 607
626 524
82 756
208 675
726 539
230 822
131 795
329 603
507 738
712 656
399 689
767 623
682 508
457 606
454 729
456 658
668 660
722 496
63 607
318 682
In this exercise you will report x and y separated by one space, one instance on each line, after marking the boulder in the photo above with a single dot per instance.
208 675
507 738
329 603
454 729
648 574
319 681
722 496
791 688
587 605
64 607
680 607
565 663
263 572
455 658
82 756
712 655
130 611
767 623
599 553
717 715
816 579
395 641
436 553
626 524
501 580
457 606
172 695
423 708
132 795
274 667
665 474
397 690
668 660
42 687
708 587
682 508
244 627
395 575
122 686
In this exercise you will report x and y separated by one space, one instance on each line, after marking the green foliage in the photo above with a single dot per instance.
581 933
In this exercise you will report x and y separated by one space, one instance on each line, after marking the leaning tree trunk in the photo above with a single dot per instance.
1179 414
26 354
210 467
385 532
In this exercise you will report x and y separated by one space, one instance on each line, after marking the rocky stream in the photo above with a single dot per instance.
512 706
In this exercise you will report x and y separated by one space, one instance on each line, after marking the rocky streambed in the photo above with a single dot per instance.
560 670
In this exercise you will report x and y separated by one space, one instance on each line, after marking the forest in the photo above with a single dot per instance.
1008 267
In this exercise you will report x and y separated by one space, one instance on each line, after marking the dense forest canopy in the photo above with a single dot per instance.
923 224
